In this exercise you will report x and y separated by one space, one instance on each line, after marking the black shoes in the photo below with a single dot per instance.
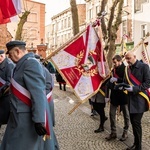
133 147
60 87
93 112
114 135
100 129
111 136
106 118
124 136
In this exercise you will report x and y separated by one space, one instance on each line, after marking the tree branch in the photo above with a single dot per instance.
103 24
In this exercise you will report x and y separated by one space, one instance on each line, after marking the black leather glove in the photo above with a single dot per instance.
40 129
121 86
4 90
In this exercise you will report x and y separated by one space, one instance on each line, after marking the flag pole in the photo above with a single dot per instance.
137 46
141 42
146 53
65 44
74 108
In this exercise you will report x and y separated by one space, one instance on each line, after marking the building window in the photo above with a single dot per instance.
62 23
90 14
65 37
62 39
69 21
124 27
53 28
65 23
143 30
69 35
97 10
32 17
59 25
57 42
138 4
47 34
33 34
125 2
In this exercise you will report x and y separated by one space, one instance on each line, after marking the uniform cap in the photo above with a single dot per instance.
2 51
10 45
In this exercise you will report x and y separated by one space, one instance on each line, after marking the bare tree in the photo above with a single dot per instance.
75 19
110 29
21 23
23 19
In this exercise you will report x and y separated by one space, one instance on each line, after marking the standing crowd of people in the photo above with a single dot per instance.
126 88
26 86
27 107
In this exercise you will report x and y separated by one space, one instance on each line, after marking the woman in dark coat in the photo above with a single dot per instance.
60 80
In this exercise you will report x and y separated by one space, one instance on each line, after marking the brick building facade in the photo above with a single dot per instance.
5 36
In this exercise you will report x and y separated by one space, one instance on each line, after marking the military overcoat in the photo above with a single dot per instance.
20 132
6 68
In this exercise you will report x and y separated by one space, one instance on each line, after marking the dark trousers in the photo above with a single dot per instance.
112 114
4 109
137 129
99 107
64 86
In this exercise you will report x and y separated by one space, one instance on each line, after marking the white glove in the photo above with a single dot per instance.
113 79
130 89
107 100
120 88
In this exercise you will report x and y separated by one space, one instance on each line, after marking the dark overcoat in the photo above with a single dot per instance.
59 78
6 68
20 133
137 103
49 87
118 97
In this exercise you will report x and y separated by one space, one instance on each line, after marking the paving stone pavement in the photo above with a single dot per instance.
76 131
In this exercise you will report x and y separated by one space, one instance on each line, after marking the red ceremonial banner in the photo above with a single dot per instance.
80 63
8 9
2 20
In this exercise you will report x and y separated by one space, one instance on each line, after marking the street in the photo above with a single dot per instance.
76 131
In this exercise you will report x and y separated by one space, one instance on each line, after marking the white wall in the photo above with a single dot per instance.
140 18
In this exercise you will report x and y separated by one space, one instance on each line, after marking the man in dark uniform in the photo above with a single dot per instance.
49 66
138 77
117 98
49 87
29 120
6 67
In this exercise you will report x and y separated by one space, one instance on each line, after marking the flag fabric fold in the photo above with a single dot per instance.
9 8
78 63
145 56
2 20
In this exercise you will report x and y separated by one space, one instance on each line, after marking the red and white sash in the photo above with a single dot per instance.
49 96
133 81
20 92
115 74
